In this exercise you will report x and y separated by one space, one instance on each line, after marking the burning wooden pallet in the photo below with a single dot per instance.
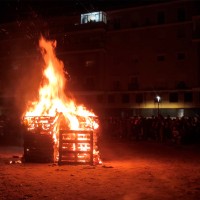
75 146
70 146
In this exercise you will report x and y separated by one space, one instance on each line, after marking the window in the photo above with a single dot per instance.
89 63
188 97
139 98
173 97
161 58
125 98
181 56
93 17
111 98
181 15
160 17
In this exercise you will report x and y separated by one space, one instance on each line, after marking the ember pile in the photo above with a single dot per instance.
57 129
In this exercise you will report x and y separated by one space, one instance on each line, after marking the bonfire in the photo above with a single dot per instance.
54 111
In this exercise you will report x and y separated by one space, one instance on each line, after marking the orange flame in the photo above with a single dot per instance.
52 98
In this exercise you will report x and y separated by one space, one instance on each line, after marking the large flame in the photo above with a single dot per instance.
52 98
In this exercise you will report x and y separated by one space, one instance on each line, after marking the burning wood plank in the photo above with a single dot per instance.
76 147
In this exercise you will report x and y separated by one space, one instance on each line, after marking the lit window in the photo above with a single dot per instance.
93 17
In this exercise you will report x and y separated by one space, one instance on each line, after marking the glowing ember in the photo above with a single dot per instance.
53 110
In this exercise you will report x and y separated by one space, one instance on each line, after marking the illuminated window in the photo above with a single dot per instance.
93 17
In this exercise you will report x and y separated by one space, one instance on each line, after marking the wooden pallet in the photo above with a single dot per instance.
75 147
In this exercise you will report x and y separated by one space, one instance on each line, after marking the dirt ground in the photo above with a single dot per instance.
130 171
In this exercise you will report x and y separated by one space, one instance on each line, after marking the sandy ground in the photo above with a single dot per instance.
131 171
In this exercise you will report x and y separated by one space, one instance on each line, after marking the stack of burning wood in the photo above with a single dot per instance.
76 146
47 139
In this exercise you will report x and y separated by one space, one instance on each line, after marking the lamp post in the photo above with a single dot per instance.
158 99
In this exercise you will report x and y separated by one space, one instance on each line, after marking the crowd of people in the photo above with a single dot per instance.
184 130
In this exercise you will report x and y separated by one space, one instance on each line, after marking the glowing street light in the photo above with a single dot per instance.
158 100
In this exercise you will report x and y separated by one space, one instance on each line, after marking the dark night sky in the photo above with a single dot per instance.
11 10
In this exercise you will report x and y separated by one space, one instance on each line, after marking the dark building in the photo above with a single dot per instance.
119 60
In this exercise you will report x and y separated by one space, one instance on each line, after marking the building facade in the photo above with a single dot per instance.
119 60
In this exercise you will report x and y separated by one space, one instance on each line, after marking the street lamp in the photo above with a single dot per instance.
158 99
